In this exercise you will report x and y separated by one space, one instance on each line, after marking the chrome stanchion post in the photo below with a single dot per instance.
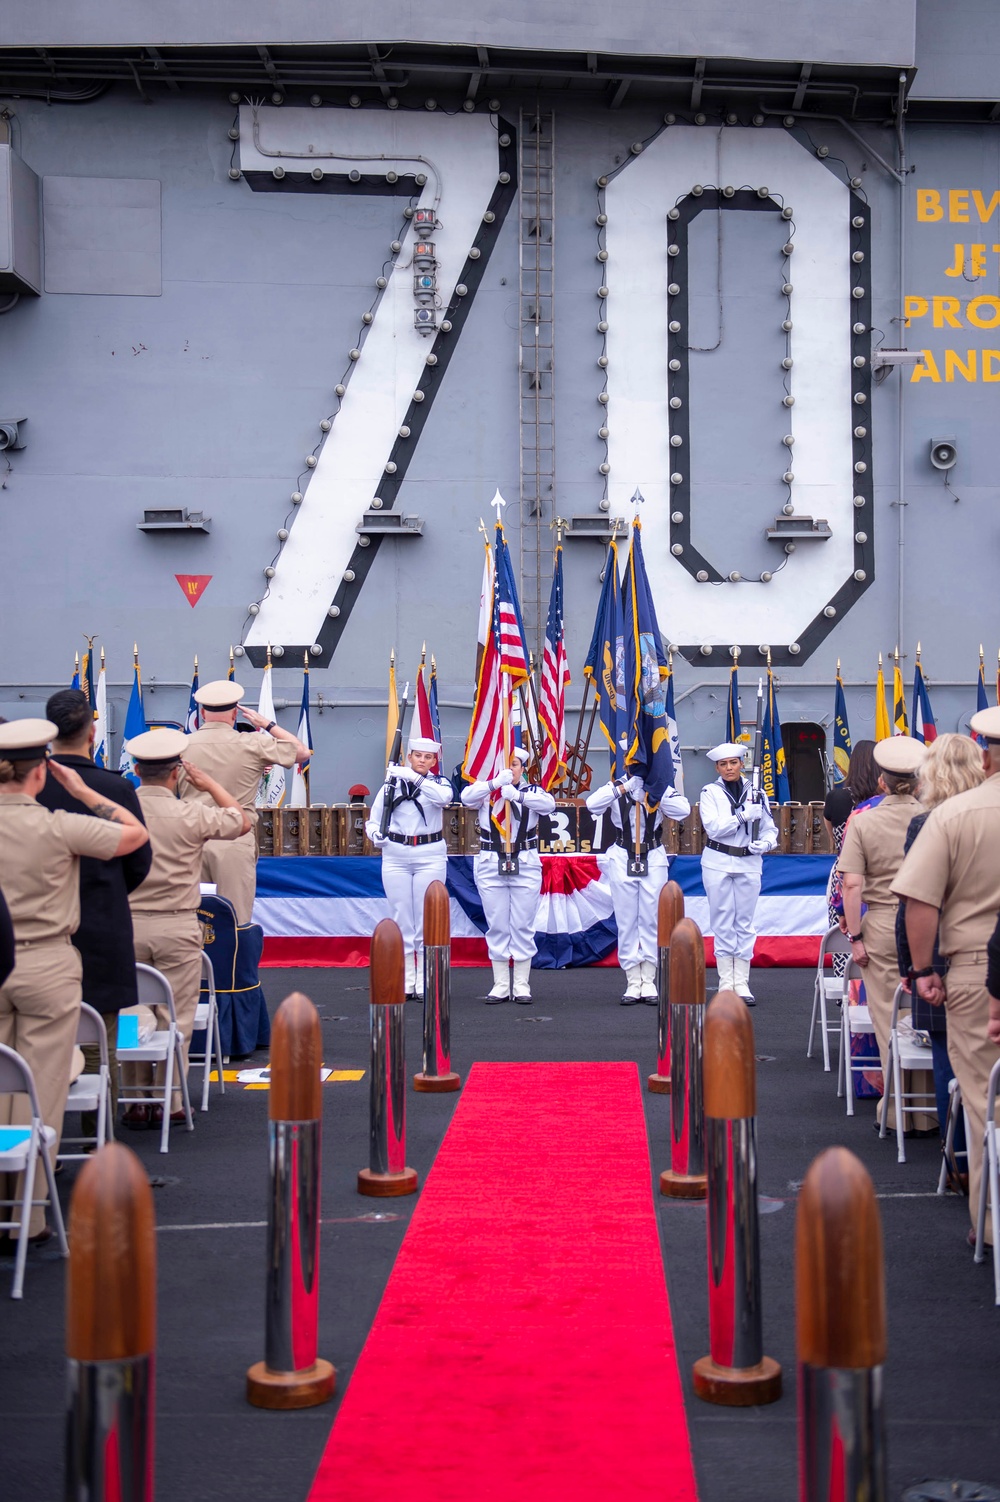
292 1374
685 1178
840 1316
437 1074
111 1331
387 1173
736 1372
670 910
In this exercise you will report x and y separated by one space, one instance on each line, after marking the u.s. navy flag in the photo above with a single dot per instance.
841 730
605 664
675 739
135 720
648 755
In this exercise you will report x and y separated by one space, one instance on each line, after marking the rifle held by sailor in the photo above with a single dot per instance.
389 792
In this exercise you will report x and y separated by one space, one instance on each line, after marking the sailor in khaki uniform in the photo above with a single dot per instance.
869 859
237 761
165 906
951 876
39 862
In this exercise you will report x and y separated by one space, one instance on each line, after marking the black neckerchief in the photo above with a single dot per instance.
737 802
409 792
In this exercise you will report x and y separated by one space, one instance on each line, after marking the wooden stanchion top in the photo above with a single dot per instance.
296 1060
385 977
111 1282
669 912
687 964
839 1280
437 915
730 1072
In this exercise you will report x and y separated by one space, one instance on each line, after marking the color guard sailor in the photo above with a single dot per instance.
412 845
738 831
637 866
510 899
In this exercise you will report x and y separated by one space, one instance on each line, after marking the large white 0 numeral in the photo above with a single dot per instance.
459 156
637 274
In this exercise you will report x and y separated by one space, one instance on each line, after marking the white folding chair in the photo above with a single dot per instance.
21 1148
164 1047
827 988
906 1051
855 1021
90 1092
990 1183
206 1019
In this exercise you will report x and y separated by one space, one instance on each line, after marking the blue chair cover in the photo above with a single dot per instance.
235 954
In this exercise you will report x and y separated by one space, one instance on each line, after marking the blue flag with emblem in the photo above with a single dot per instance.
605 664
135 721
841 731
648 755
773 776
193 719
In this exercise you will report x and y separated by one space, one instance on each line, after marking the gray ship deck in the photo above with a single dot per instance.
943 1380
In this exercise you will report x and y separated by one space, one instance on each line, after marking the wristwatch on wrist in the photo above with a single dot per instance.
271 726
856 938
922 974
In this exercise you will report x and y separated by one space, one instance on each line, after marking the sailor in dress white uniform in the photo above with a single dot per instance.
636 898
739 830
413 848
510 902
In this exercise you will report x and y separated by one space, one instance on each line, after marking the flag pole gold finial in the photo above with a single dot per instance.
305 659
196 662
433 663
880 659
76 658
269 654
918 651
102 657
769 659
838 667
980 654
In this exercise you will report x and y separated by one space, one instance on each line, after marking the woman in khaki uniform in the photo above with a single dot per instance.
39 858
871 855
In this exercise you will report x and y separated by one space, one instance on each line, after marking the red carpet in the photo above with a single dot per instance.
523 1349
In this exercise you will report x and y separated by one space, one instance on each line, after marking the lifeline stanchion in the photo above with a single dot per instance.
437 1074
736 1372
685 1178
669 912
111 1331
292 1375
387 1173
840 1315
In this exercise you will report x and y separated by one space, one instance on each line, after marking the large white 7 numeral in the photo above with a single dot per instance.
308 600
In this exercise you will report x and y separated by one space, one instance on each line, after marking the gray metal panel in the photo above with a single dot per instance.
102 235
958 50
20 227
851 31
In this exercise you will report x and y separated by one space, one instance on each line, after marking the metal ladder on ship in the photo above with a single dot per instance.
536 251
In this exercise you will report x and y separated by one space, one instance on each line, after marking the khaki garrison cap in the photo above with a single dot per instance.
26 740
223 693
900 754
986 722
157 745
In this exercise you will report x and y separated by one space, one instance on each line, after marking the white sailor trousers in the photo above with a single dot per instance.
407 872
636 899
510 904
732 886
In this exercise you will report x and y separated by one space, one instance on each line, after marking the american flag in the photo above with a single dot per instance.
503 667
555 676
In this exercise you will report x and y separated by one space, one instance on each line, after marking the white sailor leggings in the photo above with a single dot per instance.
407 872
636 900
510 904
732 886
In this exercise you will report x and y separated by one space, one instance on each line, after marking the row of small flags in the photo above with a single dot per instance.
426 718
273 784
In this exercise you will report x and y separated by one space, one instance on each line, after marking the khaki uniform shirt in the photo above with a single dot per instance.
177 832
39 864
236 760
873 846
954 864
